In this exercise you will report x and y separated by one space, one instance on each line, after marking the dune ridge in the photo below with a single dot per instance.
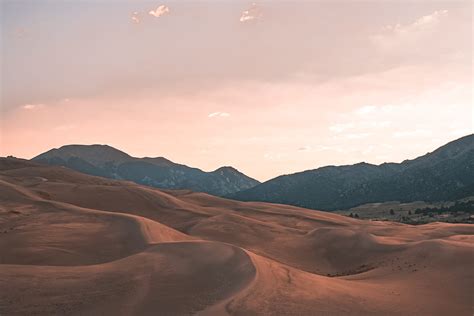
76 244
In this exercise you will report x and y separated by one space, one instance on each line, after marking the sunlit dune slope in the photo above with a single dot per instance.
81 245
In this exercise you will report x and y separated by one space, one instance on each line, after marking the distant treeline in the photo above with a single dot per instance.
462 207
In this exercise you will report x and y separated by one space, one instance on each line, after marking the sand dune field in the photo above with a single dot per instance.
72 244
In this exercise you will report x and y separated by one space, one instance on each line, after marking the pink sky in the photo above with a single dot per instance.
299 86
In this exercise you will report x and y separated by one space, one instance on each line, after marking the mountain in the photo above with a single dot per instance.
443 175
108 162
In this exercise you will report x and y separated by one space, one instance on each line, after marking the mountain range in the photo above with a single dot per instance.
443 175
446 174
109 162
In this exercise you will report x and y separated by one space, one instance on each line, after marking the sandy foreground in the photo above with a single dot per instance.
72 244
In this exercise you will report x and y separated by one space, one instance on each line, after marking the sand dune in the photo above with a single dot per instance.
81 245
167 278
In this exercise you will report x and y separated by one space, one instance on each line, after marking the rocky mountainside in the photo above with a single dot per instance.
106 161
443 175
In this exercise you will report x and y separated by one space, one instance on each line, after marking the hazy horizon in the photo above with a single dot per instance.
269 88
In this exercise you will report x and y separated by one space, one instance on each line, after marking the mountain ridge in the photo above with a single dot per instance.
443 174
109 162
446 173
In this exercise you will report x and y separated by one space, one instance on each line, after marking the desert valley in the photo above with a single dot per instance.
76 244
239 158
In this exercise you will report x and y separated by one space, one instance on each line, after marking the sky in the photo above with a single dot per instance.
270 88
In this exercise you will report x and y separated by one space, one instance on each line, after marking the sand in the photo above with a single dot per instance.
72 244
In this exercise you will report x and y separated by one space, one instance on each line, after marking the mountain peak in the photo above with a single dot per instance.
227 169
95 154
106 161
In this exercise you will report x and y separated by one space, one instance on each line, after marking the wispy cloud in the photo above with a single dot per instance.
135 17
367 109
30 107
252 13
356 135
411 133
341 127
367 124
160 11
218 114
423 22
393 36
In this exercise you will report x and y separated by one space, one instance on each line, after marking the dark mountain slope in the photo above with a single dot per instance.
106 161
445 174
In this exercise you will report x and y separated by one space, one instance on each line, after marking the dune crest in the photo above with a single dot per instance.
76 244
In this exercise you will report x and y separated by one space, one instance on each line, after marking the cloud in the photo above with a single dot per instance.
376 124
218 114
393 37
252 13
427 20
135 17
366 110
368 122
411 133
160 11
361 125
356 135
30 107
341 127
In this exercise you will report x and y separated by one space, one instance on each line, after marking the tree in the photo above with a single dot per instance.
351 215
409 212
356 215
392 212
